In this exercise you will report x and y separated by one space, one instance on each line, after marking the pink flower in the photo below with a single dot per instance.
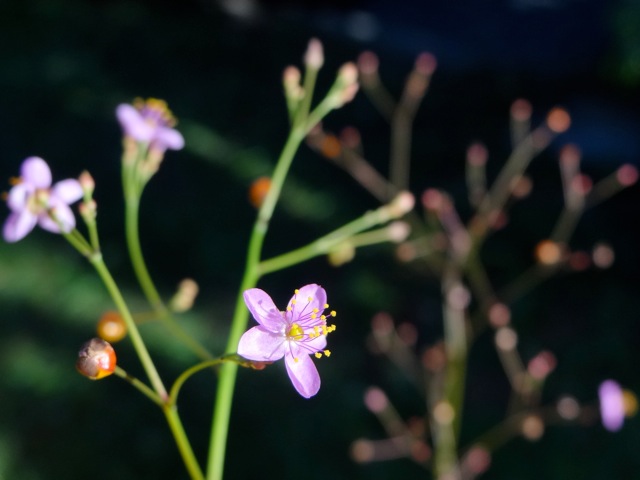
611 405
294 334
150 122
33 201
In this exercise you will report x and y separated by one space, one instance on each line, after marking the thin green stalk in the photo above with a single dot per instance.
132 210
169 411
135 252
182 441
138 385
228 372
324 244
184 376
150 369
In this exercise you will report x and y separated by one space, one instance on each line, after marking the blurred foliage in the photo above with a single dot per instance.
66 64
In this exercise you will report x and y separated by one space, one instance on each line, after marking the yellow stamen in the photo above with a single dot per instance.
318 354
296 291
327 353
295 359
333 313
326 305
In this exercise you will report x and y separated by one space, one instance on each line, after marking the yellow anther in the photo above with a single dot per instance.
327 353
315 310
313 316
296 291
333 313
316 330
318 354
323 317
293 302
326 305
324 329
295 359
289 308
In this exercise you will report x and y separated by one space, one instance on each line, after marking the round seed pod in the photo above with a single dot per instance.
96 359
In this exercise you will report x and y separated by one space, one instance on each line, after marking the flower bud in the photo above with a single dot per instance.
187 292
96 359
87 183
314 56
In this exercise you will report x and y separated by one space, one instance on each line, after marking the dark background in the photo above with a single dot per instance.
65 65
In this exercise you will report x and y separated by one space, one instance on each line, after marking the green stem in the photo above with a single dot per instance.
135 252
132 210
184 376
182 441
137 384
169 411
324 244
228 372
150 369
174 422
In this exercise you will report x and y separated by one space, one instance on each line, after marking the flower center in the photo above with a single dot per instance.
295 332
39 201
155 112
308 323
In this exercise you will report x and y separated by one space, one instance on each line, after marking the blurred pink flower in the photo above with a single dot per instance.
150 122
611 405
33 201
294 334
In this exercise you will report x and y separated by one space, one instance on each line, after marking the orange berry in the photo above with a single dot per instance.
111 327
258 191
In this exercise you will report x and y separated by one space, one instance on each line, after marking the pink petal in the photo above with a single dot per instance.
303 374
314 345
303 305
36 172
264 311
166 137
62 213
19 196
133 123
18 225
258 343
68 191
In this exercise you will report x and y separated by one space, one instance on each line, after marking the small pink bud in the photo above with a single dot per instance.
521 110
314 56
87 183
